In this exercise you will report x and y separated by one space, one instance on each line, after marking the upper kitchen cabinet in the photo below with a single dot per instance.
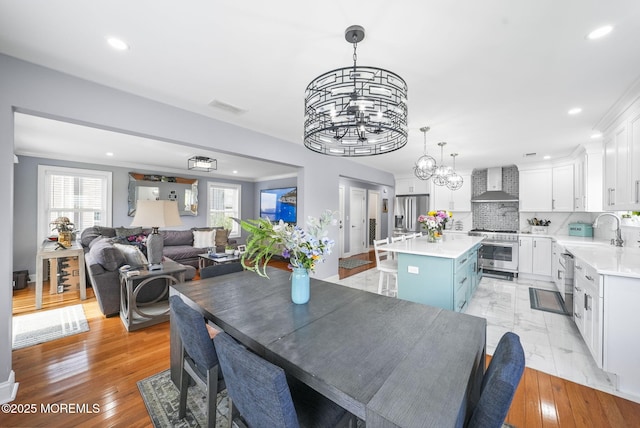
616 169
634 142
622 157
588 179
547 189
562 188
453 200
412 186
535 190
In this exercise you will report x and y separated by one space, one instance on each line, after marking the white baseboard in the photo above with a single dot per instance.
9 389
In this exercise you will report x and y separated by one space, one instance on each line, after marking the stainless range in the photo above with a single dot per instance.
498 255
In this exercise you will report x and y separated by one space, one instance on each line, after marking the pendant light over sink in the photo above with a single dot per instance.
356 111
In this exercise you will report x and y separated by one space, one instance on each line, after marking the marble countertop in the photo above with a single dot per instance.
608 259
452 246
601 255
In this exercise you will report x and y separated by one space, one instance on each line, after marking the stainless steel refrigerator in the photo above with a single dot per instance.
407 210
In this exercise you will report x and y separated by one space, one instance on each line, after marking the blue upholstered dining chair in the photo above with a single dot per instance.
220 269
265 397
199 359
499 383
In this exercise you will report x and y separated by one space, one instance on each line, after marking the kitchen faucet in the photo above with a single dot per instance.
618 241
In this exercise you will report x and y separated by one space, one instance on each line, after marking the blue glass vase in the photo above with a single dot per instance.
300 286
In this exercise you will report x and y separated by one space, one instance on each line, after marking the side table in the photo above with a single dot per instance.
136 315
206 259
50 251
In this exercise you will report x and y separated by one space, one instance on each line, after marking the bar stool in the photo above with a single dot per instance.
388 268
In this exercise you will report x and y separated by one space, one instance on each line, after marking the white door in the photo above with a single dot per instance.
341 220
357 229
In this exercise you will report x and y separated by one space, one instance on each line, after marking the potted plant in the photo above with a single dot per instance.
228 249
64 227
304 248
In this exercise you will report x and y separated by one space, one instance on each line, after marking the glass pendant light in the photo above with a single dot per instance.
442 171
426 164
454 180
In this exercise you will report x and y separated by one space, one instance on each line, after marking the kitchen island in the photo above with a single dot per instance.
443 274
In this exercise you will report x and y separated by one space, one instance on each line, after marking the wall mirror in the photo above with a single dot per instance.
161 187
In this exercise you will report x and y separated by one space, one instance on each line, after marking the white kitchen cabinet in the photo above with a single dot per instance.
579 184
557 273
589 304
535 190
547 189
578 303
534 256
562 188
525 255
411 186
617 193
621 320
453 200
634 141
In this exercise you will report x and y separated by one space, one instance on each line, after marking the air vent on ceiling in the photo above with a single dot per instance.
226 107
529 155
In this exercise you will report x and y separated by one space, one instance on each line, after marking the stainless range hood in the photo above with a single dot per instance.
494 191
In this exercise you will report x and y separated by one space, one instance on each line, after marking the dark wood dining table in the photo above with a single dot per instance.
390 362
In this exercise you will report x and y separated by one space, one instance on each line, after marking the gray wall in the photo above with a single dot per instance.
25 202
37 90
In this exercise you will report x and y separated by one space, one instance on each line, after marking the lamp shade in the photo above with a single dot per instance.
156 214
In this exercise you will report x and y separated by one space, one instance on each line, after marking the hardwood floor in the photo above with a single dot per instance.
103 365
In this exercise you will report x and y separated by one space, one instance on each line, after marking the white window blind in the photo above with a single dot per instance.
84 196
223 204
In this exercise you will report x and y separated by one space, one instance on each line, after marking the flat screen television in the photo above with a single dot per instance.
279 204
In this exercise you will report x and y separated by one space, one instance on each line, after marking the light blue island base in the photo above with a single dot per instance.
443 274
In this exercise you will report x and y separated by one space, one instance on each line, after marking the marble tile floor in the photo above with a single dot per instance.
552 342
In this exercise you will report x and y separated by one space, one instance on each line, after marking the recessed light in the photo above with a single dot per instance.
547 157
117 43
235 171
599 32
575 110
109 153
596 135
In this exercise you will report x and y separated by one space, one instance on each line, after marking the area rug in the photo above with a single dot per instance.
547 300
352 263
162 398
43 326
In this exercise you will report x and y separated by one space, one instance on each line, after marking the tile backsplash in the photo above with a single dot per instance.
496 215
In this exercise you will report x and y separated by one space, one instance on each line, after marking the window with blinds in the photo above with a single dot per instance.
224 204
83 196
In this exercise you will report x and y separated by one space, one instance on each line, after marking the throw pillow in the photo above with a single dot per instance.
177 237
202 239
105 254
128 231
222 237
132 254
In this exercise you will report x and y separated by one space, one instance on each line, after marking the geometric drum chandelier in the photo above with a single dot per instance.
356 111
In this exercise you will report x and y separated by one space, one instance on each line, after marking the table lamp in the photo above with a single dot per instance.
156 214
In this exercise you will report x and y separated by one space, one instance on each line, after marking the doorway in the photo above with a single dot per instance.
357 212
